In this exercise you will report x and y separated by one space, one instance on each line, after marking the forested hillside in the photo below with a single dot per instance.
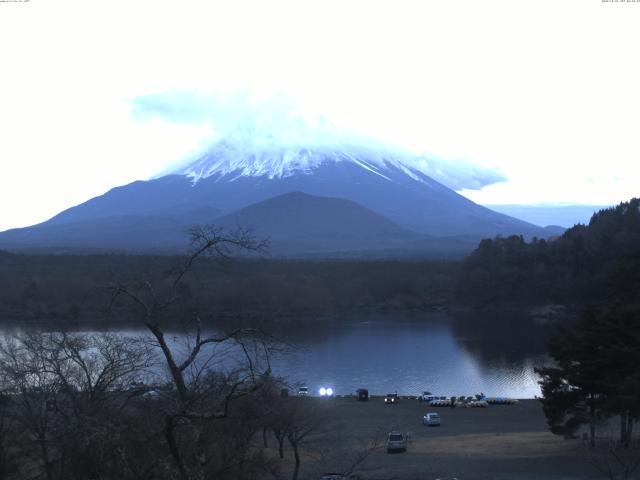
587 264
75 287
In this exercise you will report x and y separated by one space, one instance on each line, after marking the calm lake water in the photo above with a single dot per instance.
443 353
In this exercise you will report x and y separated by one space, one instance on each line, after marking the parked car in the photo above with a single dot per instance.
431 419
391 398
396 441
303 392
426 397
362 394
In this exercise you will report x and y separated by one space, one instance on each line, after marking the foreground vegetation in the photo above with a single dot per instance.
74 407
112 406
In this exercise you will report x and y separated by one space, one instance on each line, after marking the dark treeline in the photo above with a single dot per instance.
74 287
586 265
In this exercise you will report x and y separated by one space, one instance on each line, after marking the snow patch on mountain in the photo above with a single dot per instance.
231 160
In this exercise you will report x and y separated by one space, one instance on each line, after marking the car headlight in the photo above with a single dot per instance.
323 391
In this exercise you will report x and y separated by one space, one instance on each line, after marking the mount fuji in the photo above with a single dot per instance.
398 206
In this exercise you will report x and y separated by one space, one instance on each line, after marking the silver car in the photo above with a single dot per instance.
396 442
431 419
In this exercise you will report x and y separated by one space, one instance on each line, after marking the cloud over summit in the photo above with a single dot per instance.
278 122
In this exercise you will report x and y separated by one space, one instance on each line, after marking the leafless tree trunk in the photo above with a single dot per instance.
592 422
199 397
293 441
280 436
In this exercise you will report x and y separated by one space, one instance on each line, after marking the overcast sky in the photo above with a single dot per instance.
543 95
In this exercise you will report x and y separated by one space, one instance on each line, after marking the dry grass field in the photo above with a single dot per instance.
498 442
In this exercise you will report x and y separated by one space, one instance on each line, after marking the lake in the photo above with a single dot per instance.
409 353
446 354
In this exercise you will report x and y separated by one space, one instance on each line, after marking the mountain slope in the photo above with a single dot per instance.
398 191
299 222
231 177
139 233
298 213
394 185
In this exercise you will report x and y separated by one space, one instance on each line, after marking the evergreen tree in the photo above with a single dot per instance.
596 373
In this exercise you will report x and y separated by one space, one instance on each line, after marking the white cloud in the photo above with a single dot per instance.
279 122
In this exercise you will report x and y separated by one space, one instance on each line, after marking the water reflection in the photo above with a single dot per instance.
447 354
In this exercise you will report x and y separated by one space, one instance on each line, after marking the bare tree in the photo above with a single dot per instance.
202 394
64 393
84 415
346 455
299 421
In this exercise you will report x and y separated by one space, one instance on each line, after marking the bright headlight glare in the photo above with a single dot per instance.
329 391
323 392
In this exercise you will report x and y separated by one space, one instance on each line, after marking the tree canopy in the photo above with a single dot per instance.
588 264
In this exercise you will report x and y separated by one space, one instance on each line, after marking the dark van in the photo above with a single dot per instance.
363 394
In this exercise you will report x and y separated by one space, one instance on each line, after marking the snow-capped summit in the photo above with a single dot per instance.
254 158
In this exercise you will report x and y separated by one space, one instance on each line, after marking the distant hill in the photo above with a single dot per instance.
301 222
298 223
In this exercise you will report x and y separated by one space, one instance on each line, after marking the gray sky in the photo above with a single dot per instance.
543 94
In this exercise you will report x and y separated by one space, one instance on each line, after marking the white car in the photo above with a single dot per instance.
303 392
426 397
431 419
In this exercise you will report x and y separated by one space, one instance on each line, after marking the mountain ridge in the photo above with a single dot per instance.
385 186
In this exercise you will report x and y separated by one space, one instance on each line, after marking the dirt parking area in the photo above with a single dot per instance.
501 442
